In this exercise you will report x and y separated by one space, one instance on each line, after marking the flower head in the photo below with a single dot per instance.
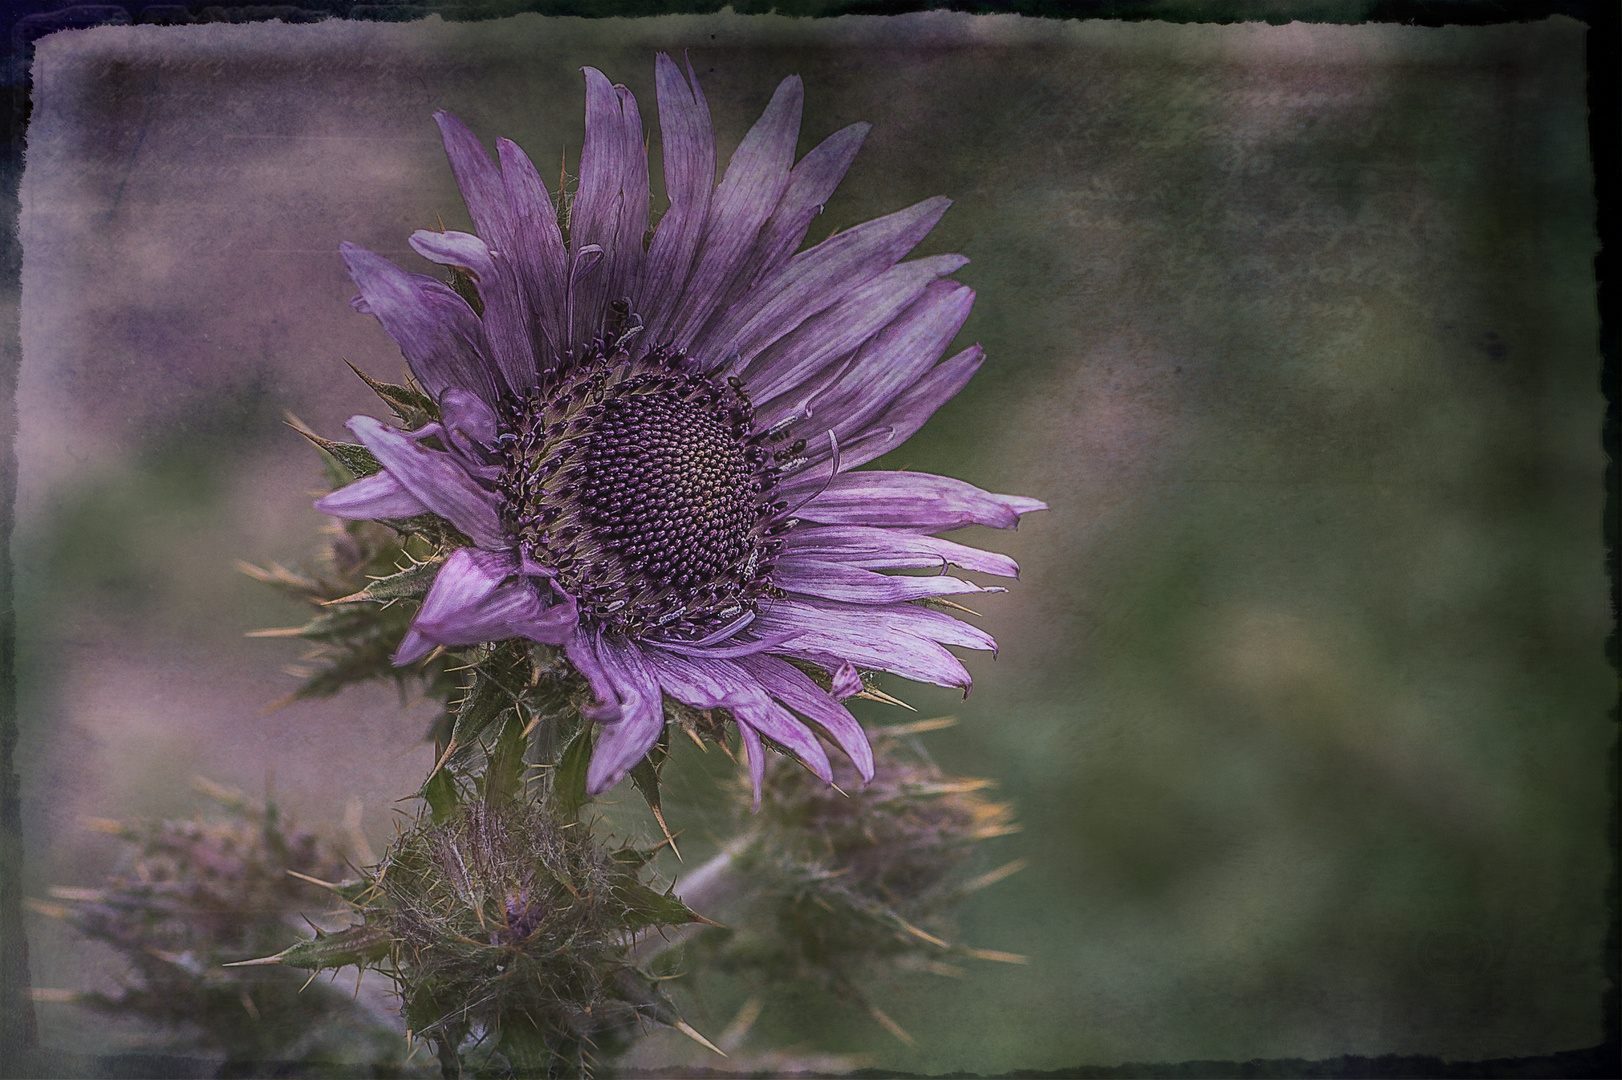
646 447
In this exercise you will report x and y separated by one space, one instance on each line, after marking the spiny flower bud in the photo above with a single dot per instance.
508 931
846 880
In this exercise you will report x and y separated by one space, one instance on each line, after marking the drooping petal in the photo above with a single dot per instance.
371 498
755 754
688 146
793 688
477 597
581 649
754 182
909 500
841 329
437 480
437 332
722 684
452 248
835 581
892 549
632 715
815 280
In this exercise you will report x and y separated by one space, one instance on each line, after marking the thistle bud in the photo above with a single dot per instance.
509 931
854 880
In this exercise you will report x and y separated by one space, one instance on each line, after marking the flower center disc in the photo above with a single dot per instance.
644 485
666 489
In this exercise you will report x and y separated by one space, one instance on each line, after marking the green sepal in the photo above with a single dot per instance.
569 778
438 532
355 945
355 459
497 684
463 284
411 583
415 408
636 989
505 773
441 795
645 773
648 907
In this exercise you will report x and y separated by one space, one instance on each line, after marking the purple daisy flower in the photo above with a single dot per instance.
647 444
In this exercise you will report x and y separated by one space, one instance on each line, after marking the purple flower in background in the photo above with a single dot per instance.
647 444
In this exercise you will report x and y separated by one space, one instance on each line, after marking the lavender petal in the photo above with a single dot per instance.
834 581
537 244
809 186
754 182
840 330
437 332
722 684
477 597
689 156
793 688
466 414
909 411
640 707
755 753
370 498
889 365
506 312
613 184
865 637
815 280
892 549
436 479
909 500
479 180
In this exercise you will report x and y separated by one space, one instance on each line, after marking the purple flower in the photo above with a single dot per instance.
647 443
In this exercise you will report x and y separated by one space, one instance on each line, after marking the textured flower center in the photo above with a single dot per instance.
666 488
644 484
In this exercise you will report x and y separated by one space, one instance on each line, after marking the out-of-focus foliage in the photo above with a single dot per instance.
189 897
844 885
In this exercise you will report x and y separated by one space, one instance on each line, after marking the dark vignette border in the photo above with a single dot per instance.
22 22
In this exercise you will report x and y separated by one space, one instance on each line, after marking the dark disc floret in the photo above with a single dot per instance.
644 485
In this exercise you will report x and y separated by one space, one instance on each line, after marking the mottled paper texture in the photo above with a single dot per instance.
1302 695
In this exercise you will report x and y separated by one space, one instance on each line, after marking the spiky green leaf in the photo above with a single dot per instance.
505 774
412 406
409 584
644 907
442 796
355 945
569 778
645 773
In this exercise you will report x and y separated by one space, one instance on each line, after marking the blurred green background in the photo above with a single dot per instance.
1302 696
